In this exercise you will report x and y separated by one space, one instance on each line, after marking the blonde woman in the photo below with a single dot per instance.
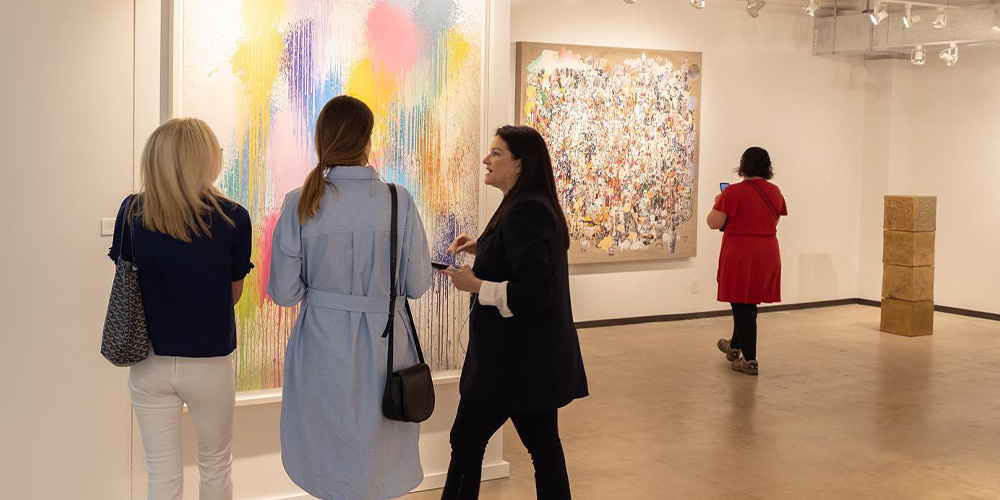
330 252
192 248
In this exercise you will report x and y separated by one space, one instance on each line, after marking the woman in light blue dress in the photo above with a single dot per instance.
330 252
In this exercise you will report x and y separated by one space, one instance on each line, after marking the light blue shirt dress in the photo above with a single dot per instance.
335 443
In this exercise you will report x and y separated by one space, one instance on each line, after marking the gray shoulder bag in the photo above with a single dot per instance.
125 341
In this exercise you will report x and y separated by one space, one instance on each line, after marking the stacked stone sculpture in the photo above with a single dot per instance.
908 265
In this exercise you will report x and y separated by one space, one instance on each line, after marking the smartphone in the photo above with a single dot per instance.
442 265
723 186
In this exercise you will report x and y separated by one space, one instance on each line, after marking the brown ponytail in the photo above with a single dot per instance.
312 191
343 130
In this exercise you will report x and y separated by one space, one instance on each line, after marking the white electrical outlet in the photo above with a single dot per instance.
107 227
694 286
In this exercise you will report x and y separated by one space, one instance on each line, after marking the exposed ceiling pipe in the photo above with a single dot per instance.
851 34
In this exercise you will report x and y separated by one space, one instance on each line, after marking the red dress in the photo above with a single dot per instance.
750 262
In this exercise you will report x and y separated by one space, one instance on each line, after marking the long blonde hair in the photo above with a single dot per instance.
180 162
343 130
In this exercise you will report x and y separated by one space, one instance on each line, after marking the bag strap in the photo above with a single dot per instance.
766 200
393 241
390 327
129 222
413 328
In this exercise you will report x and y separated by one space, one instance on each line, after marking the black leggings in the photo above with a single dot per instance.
745 330
473 428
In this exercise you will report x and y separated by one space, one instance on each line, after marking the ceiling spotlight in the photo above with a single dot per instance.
754 6
950 55
908 18
880 13
698 4
919 56
630 1
811 8
941 19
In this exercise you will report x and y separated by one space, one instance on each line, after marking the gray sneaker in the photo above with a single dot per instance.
731 354
742 365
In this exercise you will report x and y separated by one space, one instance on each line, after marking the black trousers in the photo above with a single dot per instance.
745 330
473 428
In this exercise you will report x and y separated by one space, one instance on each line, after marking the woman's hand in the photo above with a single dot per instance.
464 243
463 278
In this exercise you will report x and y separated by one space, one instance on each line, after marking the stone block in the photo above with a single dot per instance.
903 248
910 213
911 319
908 283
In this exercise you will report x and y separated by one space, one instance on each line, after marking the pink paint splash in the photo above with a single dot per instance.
393 38
263 269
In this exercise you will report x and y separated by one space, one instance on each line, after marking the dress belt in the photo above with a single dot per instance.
745 235
354 303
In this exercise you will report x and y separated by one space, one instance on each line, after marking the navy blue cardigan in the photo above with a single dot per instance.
187 287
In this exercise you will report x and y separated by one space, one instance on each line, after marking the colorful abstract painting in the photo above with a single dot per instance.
622 126
259 71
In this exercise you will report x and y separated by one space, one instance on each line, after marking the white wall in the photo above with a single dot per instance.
66 155
942 139
761 86
841 137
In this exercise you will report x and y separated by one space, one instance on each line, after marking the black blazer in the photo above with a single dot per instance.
531 362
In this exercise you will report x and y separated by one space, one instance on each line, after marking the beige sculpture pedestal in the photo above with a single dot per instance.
903 317
908 265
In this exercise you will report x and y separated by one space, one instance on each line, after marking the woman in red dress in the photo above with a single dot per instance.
749 262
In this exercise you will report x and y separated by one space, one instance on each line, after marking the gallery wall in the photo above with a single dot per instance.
761 86
66 152
938 136
841 134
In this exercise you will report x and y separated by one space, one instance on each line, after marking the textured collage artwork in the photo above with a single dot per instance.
623 129
259 71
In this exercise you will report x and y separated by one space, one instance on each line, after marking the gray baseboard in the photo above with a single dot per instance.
945 309
774 308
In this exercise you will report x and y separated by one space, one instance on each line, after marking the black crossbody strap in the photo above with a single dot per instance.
393 238
393 257
766 200
413 330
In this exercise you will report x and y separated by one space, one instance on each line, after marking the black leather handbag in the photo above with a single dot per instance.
409 393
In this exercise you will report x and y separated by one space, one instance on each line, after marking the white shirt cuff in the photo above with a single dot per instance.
495 294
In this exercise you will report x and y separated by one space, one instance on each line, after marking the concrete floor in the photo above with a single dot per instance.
839 411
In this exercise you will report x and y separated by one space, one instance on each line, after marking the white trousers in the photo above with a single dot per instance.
160 385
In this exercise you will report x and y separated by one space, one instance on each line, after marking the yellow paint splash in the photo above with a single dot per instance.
529 100
376 89
256 62
458 50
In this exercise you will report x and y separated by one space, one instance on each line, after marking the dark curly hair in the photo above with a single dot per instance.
755 162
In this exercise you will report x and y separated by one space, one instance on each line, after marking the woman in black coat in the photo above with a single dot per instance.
523 360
